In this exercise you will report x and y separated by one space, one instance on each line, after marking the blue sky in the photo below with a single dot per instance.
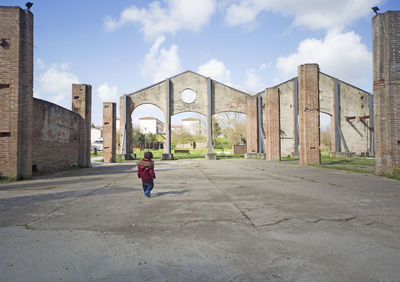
120 47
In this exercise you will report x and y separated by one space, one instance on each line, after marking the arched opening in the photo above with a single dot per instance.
189 134
325 121
229 133
148 130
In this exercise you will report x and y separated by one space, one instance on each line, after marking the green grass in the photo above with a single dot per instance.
230 156
157 154
346 168
99 153
5 179
394 175
330 160
194 154
360 165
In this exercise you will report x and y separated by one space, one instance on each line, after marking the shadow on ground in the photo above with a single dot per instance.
31 199
174 192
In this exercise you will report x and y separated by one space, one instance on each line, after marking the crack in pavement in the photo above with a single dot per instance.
345 219
26 225
216 186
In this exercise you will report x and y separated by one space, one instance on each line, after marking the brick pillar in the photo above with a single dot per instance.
16 92
309 139
386 88
272 127
82 105
109 131
251 121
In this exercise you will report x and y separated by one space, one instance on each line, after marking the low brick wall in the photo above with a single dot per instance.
56 137
239 149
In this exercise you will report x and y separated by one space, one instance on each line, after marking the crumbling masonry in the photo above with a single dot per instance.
386 77
35 135
282 120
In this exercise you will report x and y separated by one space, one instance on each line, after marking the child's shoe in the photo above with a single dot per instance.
147 193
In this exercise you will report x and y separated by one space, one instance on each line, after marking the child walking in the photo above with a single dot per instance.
146 173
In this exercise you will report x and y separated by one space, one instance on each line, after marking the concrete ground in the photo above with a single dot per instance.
225 220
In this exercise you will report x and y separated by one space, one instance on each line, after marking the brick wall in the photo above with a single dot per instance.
81 104
386 88
16 94
35 134
56 137
309 133
272 127
251 120
109 131
239 149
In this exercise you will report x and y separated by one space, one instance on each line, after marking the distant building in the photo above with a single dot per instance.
192 125
176 127
96 133
150 125
117 124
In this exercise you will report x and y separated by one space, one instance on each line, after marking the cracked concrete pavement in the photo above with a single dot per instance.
225 220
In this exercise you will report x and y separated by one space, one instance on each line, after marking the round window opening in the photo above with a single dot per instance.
188 96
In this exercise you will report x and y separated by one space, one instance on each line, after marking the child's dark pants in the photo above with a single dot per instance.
147 186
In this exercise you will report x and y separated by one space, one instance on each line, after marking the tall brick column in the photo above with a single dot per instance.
109 131
272 127
309 133
251 120
386 76
16 92
82 105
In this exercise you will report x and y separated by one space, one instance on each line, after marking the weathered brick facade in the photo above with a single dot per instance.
309 131
81 104
56 137
109 132
386 77
16 92
272 127
35 135
251 120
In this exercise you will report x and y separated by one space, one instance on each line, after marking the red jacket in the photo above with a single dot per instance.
145 170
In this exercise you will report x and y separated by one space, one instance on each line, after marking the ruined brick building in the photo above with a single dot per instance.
35 135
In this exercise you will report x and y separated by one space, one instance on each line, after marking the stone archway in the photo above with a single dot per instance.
191 92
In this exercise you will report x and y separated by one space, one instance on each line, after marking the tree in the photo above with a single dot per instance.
138 138
181 136
233 126
216 131
325 140
150 139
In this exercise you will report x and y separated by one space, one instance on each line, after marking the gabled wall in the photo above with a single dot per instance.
348 106
354 120
286 117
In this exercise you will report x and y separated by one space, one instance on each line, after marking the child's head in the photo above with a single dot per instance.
148 155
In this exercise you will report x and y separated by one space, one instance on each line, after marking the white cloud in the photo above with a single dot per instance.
161 63
314 14
55 83
216 70
339 54
253 82
108 93
178 15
